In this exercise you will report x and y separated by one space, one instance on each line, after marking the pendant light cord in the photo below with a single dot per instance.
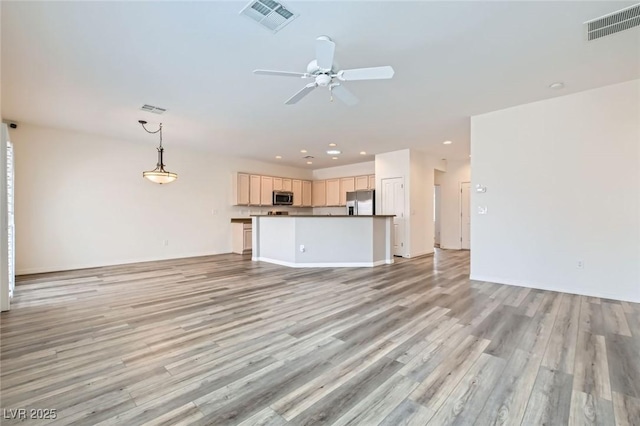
142 122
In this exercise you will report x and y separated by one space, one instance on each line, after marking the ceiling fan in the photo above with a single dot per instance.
322 71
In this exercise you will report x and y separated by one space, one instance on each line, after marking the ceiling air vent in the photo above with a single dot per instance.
308 157
612 23
153 109
268 13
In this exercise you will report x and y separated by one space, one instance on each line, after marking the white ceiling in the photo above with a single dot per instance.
90 66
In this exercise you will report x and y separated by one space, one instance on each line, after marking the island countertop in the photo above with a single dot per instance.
322 215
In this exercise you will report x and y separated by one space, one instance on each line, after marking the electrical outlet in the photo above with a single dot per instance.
214 212
302 249
482 209
580 264
165 243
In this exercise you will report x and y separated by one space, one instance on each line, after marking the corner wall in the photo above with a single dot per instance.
81 200
563 187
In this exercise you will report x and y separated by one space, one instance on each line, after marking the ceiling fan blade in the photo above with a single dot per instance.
375 73
344 95
301 94
325 50
281 73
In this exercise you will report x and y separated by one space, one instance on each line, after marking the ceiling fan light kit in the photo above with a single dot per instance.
323 73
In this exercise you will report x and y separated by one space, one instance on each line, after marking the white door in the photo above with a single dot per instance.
393 203
436 215
465 216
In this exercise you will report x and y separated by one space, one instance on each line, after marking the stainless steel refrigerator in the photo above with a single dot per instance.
361 203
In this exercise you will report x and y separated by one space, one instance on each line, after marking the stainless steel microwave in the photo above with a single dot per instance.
282 198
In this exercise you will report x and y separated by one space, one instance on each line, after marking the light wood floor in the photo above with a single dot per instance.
223 340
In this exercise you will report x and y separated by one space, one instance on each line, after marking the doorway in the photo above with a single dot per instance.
465 216
393 203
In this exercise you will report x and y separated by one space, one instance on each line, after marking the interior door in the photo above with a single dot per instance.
393 203
465 215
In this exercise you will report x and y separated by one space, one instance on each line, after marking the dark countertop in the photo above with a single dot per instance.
323 215
240 220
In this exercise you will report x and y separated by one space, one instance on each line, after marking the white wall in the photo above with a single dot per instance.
449 181
356 169
81 200
395 164
563 185
417 169
421 237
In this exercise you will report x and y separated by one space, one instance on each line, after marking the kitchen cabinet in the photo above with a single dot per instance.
254 190
319 193
277 184
296 188
362 182
372 182
333 192
346 185
241 237
306 193
242 189
266 190
286 184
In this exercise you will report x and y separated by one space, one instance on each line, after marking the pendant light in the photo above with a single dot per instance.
159 174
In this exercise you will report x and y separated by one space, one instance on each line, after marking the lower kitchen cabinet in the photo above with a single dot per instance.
241 237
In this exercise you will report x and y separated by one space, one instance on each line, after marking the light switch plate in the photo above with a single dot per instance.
481 188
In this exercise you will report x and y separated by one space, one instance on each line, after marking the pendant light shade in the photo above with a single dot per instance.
159 174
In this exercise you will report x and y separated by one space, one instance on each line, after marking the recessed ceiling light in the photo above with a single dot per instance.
303 151
557 85
447 142
309 162
363 153
333 144
334 158
278 156
334 152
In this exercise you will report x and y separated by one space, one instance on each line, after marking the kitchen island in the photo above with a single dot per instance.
323 241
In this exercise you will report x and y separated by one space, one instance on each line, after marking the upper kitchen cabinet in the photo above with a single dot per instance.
372 182
266 190
254 190
362 182
286 185
319 193
277 184
347 184
241 186
306 193
296 188
333 192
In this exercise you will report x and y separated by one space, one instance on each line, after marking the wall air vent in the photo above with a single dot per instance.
268 13
153 109
612 23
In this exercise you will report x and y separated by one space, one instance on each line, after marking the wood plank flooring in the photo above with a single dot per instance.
221 340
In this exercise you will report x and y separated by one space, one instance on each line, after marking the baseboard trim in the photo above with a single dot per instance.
46 269
538 286
323 264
